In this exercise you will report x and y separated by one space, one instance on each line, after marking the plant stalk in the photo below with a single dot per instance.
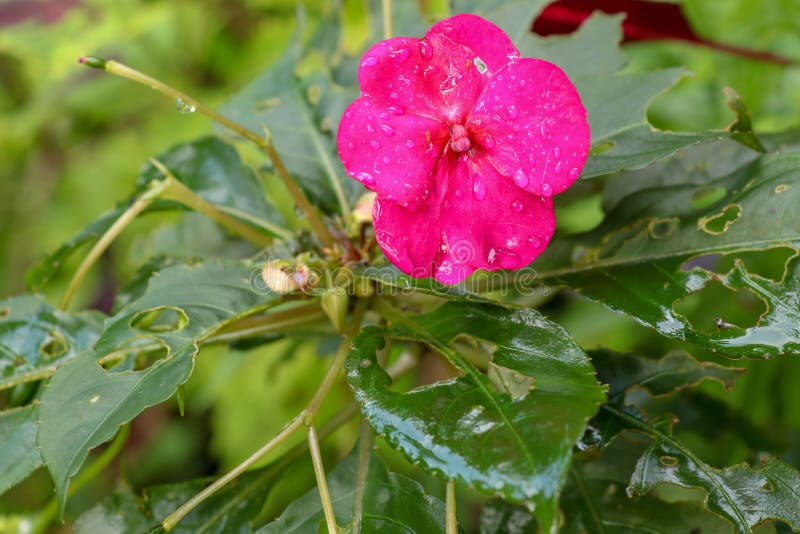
451 522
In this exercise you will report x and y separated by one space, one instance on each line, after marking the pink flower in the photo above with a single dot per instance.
465 143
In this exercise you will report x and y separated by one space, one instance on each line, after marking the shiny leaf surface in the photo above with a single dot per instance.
20 456
469 428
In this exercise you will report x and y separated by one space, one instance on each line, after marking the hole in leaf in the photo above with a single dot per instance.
661 228
782 188
267 105
596 150
717 307
4 311
707 197
668 461
767 486
53 346
510 382
769 263
720 222
160 320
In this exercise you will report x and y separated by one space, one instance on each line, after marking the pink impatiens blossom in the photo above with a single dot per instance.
465 143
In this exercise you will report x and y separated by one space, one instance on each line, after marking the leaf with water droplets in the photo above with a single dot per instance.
464 428
720 271
20 455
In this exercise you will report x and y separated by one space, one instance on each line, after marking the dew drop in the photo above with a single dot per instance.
556 153
348 114
573 172
534 241
547 189
512 112
384 115
184 107
479 189
516 206
425 49
388 130
488 141
557 169
365 177
370 128
369 61
458 193
351 145
394 95
374 144
520 178
410 143
386 159
480 65
395 110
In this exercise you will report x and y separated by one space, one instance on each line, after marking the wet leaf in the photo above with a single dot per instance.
20 455
209 167
35 338
365 492
463 428
655 249
500 517
676 370
84 405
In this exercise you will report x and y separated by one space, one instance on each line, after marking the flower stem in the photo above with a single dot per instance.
305 418
319 473
387 19
177 191
451 522
108 237
263 142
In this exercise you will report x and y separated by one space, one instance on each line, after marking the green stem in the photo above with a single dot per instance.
263 142
304 419
108 237
387 19
84 477
177 191
451 521
319 474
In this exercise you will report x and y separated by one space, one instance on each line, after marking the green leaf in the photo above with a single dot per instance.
500 517
394 282
663 244
365 492
617 103
35 338
20 455
84 405
302 114
743 495
594 500
515 17
516 445
230 510
676 370
209 167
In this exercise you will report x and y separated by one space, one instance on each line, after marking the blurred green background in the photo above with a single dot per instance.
73 139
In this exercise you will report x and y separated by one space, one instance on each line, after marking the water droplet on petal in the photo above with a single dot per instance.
516 206
374 144
351 145
184 107
365 177
558 167
556 152
573 172
369 61
388 130
512 112
386 159
458 193
547 189
394 95
384 115
425 49
534 241
479 189
480 65
520 178
410 143
395 110
488 141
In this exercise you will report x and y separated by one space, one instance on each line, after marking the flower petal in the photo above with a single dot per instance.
536 124
478 220
485 39
433 77
390 154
